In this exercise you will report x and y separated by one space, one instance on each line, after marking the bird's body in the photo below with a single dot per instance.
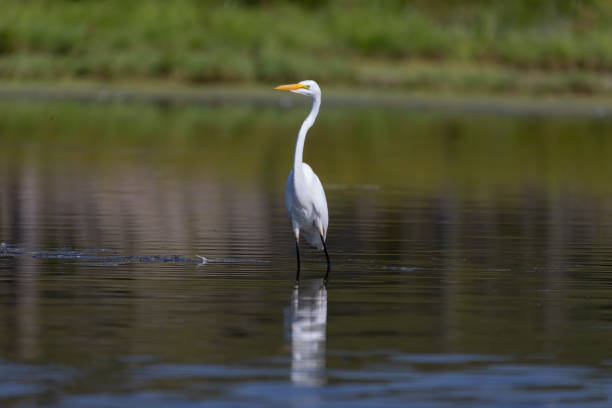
306 205
304 196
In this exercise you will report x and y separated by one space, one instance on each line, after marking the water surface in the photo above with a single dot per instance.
471 259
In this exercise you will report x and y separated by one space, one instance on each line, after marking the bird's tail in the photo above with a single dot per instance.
313 239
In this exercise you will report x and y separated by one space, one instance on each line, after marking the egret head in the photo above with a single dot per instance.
308 87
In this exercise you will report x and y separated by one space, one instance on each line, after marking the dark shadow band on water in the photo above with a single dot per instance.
105 257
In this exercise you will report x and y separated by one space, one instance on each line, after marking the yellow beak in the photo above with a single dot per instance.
291 87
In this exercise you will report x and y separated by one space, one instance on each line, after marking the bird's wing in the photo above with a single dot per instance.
319 202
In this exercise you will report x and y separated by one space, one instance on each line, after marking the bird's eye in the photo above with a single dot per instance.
306 86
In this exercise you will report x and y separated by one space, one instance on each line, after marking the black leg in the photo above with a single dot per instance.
297 274
326 256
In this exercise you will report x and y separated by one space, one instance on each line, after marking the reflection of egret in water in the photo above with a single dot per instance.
305 324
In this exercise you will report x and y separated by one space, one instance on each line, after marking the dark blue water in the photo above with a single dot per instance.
470 281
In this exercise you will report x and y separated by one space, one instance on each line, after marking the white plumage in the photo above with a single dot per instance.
306 206
304 197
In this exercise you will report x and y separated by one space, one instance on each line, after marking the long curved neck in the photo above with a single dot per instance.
308 122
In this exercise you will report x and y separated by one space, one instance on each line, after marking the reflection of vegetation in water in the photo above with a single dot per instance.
350 42
388 147
464 271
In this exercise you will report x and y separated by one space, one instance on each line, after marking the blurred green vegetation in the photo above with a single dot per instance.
537 46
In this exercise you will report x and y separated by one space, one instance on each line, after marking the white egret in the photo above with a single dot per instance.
304 197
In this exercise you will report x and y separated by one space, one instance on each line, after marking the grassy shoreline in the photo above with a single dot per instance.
498 47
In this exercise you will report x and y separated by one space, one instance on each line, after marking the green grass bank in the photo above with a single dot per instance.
473 46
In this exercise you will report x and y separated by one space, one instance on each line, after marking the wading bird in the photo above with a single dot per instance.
304 197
